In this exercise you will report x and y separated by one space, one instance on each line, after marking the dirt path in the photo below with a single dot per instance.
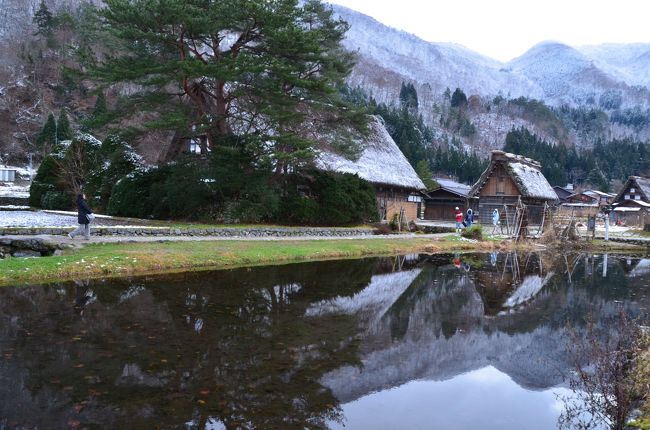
79 241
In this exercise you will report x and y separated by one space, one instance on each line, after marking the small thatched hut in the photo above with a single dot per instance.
382 164
508 181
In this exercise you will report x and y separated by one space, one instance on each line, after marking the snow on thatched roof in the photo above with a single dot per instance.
641 184
380 294
524 172
381 161
529 288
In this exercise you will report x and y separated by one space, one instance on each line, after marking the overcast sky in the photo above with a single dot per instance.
504 29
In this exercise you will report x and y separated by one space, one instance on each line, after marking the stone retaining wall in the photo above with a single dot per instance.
31 247
220 231
13 201
631 240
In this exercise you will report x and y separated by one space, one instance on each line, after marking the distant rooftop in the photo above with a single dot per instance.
453 186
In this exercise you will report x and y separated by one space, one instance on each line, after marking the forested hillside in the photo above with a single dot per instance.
444 118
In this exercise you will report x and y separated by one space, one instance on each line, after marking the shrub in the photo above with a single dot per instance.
327 198
117 160
172 191
473 232
57 200
46 179
394 222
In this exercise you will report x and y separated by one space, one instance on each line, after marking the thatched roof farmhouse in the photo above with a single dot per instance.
508 180
382 164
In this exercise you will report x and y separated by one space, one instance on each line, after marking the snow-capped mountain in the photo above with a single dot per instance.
386 55
550 71
567 75
627 62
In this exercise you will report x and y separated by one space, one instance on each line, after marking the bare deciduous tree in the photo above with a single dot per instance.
609 375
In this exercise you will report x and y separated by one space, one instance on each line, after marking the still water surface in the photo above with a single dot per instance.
442 342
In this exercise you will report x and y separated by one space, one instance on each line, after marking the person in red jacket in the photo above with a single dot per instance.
459 220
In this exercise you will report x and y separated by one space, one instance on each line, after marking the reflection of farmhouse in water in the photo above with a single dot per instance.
506 312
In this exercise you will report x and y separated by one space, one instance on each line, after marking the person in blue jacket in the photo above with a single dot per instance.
82 218
469 218
495 220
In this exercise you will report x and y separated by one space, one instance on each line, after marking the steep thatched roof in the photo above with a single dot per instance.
524 172
641 184
381 161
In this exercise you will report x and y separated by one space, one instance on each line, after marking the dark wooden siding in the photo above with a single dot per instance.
441 204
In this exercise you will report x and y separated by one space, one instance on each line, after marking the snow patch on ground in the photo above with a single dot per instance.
10 190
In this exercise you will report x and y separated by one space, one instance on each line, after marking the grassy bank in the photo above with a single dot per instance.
125 259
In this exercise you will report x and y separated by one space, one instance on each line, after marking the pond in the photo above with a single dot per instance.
414 342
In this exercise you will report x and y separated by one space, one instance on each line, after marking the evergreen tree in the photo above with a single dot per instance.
598 180
47 137
408 97
63 129
253 92
424 172
101 108
44 20
458 98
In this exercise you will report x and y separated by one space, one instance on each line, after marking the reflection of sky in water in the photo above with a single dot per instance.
483 399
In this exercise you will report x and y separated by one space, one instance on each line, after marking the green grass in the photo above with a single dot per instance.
126 259
110 260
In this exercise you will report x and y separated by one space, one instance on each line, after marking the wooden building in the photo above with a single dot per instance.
381 163
440 203
585 203
632 203
562 193
509 182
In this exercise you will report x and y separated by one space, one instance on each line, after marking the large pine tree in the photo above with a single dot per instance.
242 72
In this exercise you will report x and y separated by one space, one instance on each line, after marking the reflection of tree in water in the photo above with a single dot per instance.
230 346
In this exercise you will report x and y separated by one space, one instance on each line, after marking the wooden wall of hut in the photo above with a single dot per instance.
392 200
499 184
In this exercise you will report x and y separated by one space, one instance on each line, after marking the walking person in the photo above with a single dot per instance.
84 218
469 218
495 220
459 220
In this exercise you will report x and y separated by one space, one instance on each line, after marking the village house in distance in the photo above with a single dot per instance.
441 203
632 203
381 163
509 182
